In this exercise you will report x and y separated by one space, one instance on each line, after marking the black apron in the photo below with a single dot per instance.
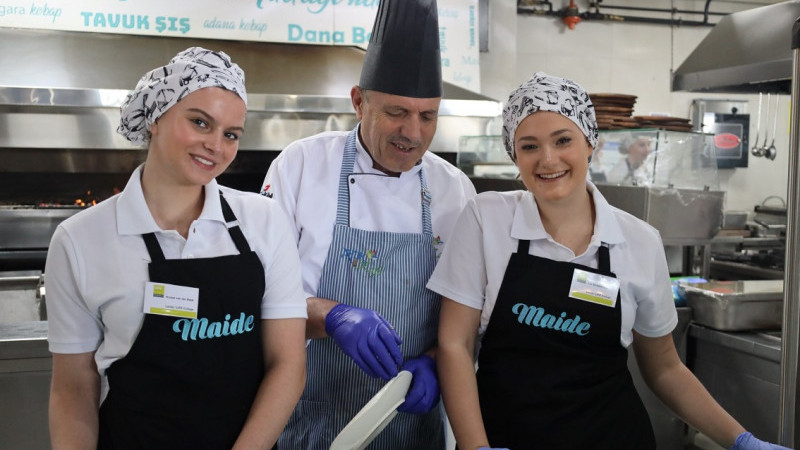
192 389
546 383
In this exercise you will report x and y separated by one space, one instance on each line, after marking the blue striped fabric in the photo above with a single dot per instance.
343 200
385 272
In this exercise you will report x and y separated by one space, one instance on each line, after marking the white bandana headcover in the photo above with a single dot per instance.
161 88
548 93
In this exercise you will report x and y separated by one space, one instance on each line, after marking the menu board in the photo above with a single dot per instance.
321 22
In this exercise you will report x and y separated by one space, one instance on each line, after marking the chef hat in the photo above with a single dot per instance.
403 56
161 88
543 92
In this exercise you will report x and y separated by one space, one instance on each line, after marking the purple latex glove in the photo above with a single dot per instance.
365 336
492 448
746 441
424 391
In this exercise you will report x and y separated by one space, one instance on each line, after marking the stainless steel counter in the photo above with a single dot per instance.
730 270
670 431
23 339
742 370
763 344
25 371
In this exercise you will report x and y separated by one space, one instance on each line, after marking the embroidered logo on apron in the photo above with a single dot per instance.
438 245
366 261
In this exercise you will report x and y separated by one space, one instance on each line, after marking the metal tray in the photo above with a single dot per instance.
736 305
30 227
22 299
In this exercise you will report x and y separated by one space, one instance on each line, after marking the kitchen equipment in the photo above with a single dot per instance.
755 150
736 305
770 220
734 220
22 299
763 149
676 159
614 111
746 52
678 191
770 152
25 374
729 122
682 216
664 122
375 415
485 157
25 232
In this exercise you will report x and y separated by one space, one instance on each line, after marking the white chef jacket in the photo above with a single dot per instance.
472 267
97 263
304 179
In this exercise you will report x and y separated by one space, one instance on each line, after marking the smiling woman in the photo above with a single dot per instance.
552 156
196 140
549 287
155 295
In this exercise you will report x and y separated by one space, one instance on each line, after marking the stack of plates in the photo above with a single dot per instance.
664 122
614 111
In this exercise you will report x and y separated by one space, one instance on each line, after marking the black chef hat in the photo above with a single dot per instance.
403 56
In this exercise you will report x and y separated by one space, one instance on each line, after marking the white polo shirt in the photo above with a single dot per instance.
97 265
304 179
473 265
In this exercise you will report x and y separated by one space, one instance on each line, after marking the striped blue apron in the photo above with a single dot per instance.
385 272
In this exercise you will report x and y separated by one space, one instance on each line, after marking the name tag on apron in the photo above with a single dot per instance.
171 300
594 288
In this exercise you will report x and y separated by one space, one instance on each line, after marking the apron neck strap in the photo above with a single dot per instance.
348 161
343 199
522 246
233 226
603 260
156 255
231 222
427 222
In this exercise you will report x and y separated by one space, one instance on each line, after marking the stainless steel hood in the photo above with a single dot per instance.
62 59
746 52
60 94
62 90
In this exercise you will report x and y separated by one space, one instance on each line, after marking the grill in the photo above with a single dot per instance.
25 235
33 203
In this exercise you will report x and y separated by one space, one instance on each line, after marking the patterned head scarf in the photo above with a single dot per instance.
161 88
548 93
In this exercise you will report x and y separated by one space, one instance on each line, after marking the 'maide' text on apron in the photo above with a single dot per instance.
537 317
203 329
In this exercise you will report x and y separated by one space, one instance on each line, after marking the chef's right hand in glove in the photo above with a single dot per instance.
746 441
365 336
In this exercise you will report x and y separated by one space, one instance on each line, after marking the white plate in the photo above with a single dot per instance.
375 415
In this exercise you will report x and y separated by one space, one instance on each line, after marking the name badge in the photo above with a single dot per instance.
171 300
594 288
